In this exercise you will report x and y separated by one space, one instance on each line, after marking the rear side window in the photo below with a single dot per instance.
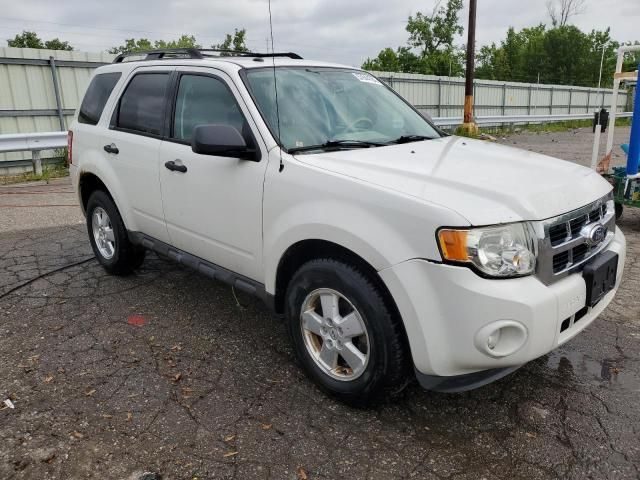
142 105
96 97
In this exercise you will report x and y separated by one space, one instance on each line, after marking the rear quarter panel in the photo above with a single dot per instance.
88 154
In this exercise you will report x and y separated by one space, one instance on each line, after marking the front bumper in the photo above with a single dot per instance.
447 311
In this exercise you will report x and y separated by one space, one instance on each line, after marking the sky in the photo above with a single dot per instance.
343 31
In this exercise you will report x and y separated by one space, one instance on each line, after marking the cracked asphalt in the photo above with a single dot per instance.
168 372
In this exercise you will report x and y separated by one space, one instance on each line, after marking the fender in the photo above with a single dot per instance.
310 203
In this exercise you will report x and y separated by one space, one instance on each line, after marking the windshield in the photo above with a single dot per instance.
328 106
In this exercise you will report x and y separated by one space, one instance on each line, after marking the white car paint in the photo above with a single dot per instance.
384 204
487 183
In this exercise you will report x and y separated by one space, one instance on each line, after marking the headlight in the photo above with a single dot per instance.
500 251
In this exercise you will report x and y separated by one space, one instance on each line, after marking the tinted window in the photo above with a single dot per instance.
96 97
142 104
204 101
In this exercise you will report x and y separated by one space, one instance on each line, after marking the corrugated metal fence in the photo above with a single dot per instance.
30 99
40 90
444 96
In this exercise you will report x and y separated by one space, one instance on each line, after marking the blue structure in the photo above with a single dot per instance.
633 158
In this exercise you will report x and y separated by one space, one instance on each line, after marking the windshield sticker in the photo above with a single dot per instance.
299 143
365 77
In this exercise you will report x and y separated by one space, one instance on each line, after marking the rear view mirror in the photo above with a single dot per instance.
221 141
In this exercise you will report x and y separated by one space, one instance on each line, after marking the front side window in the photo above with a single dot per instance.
320 105
96 97
204 100
142 104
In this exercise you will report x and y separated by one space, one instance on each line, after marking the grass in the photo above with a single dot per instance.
48 172
539 127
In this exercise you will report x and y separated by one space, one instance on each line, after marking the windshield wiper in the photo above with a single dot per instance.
411 138
330 144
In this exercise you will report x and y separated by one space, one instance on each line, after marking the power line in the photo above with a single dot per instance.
102 28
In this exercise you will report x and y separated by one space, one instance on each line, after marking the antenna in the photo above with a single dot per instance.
275 87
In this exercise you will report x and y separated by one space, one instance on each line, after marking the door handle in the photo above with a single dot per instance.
111 148
174 167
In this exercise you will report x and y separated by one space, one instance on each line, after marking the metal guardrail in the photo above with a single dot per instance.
513 119
33 142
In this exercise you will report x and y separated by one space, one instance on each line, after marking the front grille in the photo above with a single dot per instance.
558 234
594 216
577 223
580 313
566 323
580 252
560 261
564 247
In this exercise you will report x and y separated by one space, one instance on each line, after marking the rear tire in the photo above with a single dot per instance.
344 334
108 236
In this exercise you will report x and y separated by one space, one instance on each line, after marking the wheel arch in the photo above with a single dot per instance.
305 250
89 183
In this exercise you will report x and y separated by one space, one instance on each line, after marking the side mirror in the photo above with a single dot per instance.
221 141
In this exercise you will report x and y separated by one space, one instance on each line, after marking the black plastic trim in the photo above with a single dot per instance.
197 53
462 383
205 267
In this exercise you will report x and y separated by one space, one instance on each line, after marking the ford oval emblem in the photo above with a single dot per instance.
594 234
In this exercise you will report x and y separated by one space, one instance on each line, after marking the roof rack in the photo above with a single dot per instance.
198 53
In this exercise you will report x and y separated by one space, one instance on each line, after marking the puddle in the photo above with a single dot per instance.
607 372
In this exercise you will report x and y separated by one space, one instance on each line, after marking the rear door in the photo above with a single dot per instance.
136 129
213 208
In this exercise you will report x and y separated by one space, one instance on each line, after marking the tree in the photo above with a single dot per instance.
430 33
563 55
389 60
631 59
519 57
28 39
143 44
432 37
235 42
57 44
185 41
561 10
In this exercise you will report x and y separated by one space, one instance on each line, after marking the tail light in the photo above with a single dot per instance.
69 147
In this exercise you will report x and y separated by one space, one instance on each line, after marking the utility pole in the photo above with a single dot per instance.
469 125
600 74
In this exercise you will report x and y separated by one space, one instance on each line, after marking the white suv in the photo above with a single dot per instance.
389 246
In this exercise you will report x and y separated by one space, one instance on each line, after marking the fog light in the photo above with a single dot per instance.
493 339
501 338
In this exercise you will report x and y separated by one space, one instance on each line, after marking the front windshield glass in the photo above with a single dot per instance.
320 105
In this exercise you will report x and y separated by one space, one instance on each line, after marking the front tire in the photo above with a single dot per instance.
344 334
108 236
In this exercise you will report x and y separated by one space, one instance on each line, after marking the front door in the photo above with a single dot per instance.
213 207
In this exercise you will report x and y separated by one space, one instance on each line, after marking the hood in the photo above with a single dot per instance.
486 183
